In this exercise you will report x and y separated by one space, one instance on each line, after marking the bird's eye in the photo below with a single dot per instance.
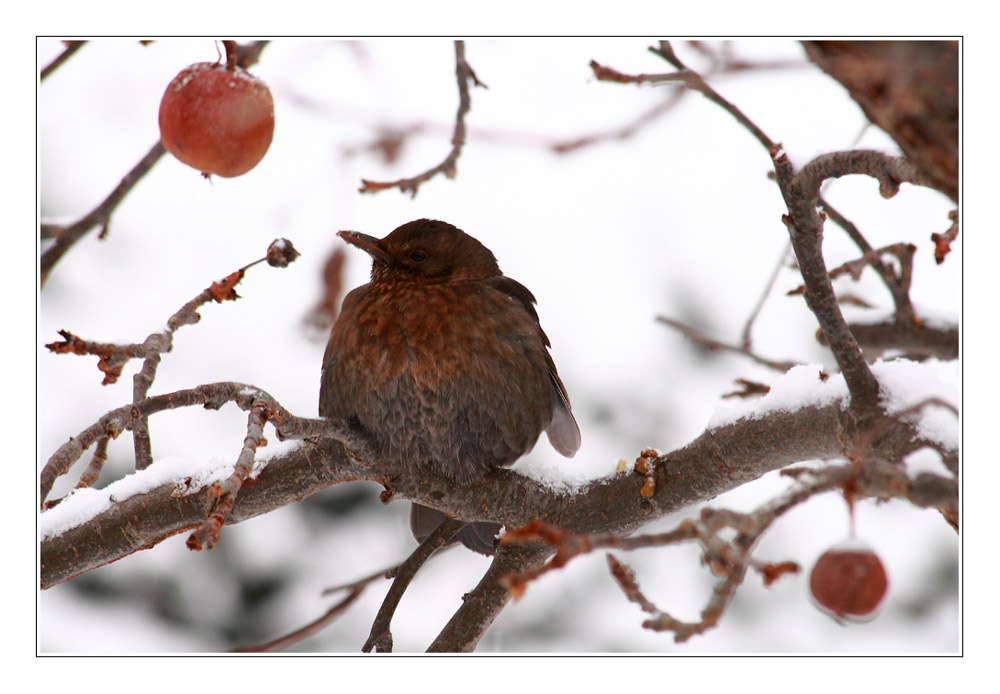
418 256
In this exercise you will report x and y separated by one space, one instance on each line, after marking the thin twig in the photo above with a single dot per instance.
94 467
308 630
113 357
942 242
729 558
448 166
748 326
695 81
900 296
607 74
71 47
721 64
210 396
622 133
99 216
700 338
225 493
380 637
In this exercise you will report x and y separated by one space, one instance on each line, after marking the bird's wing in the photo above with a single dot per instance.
563 431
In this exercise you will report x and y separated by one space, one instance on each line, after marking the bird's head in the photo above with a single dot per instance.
425 250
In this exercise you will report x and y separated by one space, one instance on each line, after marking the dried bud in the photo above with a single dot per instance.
281 252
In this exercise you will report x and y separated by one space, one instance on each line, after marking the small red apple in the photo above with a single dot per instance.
217 120
849 581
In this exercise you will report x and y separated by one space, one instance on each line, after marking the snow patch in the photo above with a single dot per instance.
903 384
81 505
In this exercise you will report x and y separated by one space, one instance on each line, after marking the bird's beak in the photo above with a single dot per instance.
369 244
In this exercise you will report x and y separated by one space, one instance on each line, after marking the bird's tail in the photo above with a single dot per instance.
479 537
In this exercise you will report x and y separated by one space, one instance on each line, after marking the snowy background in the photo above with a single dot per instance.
678 220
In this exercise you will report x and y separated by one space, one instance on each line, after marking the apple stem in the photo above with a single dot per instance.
230 47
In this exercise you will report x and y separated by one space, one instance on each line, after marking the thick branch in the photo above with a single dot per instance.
211 396
717 461
801 193
910 89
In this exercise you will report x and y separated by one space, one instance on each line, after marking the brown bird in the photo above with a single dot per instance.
441 361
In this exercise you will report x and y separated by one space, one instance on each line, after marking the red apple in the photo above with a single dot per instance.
216 120
849 581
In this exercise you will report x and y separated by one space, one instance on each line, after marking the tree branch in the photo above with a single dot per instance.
700 338
801 193
211 396
100 215
464 75
70 47
717 461
481 606
380 637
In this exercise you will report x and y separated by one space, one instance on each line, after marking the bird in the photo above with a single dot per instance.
441 362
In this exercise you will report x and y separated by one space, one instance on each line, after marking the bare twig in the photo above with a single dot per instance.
225 493
607 74
448 166
889 171
907 332
99 216
915 339
722 63
622 133
751 389
308 630
900 293
699 338
70 48
93 471
942 242
210 396
723 60
694 81
569 545
748 326
380 637
114 357
730 558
